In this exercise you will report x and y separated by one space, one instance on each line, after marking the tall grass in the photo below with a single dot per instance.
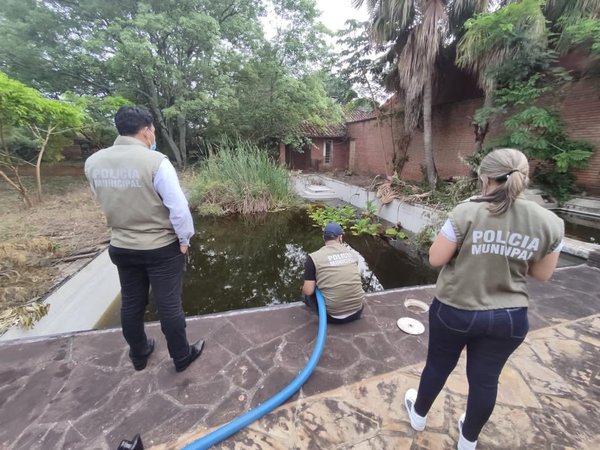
240 177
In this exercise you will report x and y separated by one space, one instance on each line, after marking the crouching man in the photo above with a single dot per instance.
334 270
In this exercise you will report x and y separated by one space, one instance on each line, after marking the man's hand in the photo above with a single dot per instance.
183 249
308 288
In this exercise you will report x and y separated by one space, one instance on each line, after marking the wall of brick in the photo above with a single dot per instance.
580 110
313 158
453 136
296 160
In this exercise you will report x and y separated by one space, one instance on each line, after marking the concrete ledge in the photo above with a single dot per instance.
411 217
583 205
81 391
579 248
594 259
79 303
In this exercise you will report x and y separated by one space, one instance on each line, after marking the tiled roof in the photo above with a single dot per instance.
338 130
357 115
327 131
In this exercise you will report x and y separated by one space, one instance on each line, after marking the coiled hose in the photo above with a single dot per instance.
236 425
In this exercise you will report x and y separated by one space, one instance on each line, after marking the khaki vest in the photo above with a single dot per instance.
490 268
338 279
123 177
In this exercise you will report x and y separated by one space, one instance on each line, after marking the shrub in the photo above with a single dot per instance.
240 178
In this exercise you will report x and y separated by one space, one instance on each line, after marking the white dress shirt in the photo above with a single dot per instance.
166 184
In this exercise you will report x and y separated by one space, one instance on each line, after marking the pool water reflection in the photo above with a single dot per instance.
242 262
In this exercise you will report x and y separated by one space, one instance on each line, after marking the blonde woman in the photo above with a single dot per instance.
487 247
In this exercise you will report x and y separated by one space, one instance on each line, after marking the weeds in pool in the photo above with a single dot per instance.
365 222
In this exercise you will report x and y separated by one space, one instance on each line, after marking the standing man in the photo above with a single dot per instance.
151 227
334 270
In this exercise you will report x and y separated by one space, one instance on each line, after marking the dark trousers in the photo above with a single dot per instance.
490 337
162 269
311 302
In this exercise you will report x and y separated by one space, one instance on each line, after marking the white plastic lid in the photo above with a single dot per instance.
410 325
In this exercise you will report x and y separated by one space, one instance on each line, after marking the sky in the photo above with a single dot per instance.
336 12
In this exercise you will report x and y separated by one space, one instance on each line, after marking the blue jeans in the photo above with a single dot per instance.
490 337
162 269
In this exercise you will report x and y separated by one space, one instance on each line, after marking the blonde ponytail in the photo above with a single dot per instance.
508 167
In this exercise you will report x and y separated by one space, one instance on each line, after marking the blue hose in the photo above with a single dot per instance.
236 425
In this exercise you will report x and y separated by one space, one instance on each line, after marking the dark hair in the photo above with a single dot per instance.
129 120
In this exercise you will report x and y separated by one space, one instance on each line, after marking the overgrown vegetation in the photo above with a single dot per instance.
240 178
21 269
443 199
39 246
509 46
363 222
204 68
514 55
40 121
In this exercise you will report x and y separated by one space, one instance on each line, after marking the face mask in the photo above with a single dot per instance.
153 145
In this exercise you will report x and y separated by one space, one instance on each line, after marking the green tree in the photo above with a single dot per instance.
173 56
418 30
98 128
357 62
562 14
586 33
268 104
22 106
510 52
281 85
187 60
507 44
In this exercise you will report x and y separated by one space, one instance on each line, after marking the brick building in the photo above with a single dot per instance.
365 144
327 151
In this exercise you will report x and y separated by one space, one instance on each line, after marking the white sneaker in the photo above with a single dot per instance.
463 443
416 421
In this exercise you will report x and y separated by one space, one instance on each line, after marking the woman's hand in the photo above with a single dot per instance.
543 269
441 251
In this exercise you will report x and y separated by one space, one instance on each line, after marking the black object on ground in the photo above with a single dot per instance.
134 444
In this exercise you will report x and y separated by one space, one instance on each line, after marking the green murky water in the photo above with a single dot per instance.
243 262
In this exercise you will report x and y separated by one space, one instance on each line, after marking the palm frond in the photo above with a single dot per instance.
489 44
419 29
570 11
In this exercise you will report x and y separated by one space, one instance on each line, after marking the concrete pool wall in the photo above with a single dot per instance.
411 217
415 217
79 303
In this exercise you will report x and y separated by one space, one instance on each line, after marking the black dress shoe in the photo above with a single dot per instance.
139 362
195 350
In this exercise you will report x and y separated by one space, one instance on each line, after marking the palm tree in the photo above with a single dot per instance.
418 30
565 13
571 10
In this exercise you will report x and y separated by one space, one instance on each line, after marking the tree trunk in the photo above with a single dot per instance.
164 129
18 185
38 163
481 129
182 126
400 158
428 135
